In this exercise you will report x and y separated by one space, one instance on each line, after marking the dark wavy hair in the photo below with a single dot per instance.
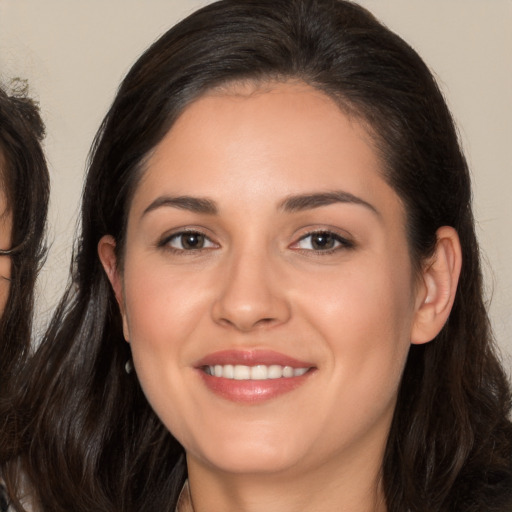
93 443
25 183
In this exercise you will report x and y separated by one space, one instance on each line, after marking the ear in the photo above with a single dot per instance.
108 258
437 287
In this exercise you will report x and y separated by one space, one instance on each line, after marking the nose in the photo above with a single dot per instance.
252 294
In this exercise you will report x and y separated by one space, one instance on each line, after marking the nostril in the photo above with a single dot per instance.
246 324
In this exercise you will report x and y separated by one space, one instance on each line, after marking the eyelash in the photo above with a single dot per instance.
165 243
340 243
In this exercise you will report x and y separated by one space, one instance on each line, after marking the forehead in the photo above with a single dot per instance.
263 123
250 146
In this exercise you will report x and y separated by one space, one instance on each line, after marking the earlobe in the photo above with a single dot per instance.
108 258
438 287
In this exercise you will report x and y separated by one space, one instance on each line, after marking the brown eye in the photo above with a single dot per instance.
323 241
189 241
192 241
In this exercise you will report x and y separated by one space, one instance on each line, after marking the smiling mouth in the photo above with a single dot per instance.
257 372
252 376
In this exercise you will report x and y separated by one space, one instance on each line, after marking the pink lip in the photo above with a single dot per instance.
251 391
251 358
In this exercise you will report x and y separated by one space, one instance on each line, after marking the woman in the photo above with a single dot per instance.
277 300
24 195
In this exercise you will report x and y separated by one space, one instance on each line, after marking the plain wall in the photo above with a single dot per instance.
75 53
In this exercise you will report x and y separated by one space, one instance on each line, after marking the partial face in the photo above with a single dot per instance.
267 290
5 243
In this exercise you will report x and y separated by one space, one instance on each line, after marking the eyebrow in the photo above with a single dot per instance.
192 204
317 200
291 204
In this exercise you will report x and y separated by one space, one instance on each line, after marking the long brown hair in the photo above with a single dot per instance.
93 442
24 180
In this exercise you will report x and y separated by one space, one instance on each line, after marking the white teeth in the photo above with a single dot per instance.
258 372
241 372
287 371
275 371
228 371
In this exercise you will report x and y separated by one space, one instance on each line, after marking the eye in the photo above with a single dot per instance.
188 241
322 241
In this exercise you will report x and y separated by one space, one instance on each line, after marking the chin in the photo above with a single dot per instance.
246 457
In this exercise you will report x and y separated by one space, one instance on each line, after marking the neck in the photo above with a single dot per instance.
355 487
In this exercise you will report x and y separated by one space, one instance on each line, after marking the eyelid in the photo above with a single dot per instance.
344 242
164 241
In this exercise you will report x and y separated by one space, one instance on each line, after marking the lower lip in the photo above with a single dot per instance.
252 391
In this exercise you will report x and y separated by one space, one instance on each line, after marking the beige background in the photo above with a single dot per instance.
75 53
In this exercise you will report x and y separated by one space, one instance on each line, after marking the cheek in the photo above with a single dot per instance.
5 284
161 312
365 314
369 296
5 261
367 322
4 293
163 309
161 299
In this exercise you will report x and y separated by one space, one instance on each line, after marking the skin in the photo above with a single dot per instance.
350 311
5 243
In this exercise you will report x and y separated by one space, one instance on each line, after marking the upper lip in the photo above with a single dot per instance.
251 358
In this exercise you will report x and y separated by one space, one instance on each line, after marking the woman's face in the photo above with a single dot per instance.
267 290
